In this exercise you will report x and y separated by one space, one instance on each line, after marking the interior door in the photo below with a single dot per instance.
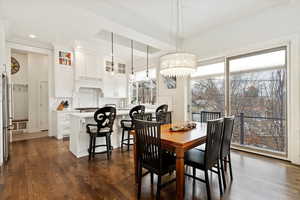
43 121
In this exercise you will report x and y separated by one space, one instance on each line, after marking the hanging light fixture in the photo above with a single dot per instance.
112 53
147 70
179 63
131 76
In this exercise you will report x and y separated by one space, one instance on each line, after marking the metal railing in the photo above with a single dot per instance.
240 123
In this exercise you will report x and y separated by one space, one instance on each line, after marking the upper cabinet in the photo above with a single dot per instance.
88 65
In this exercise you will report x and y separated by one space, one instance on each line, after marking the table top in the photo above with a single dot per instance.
184 139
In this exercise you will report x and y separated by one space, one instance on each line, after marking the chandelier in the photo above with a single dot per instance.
179 63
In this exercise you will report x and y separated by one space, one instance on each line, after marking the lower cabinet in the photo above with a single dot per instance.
62 123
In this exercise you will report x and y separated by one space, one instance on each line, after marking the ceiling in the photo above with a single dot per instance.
146 22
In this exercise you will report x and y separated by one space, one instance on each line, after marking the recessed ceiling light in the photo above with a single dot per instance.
32 36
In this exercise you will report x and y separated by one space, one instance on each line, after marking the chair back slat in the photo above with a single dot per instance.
213 142
206 116
164 117
139 109
227 135
142 116
148 141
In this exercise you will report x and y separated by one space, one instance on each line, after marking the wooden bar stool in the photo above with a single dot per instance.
127 125
104 118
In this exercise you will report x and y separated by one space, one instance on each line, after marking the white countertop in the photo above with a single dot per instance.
119 113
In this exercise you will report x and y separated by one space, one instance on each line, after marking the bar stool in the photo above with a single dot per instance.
104 118
127 125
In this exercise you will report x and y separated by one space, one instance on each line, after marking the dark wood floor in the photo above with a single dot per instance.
45 169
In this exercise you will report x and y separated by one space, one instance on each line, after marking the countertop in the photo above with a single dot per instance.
119 113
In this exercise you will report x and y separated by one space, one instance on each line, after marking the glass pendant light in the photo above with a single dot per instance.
112 53
179 63
131 76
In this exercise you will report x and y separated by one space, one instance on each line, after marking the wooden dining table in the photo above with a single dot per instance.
178 142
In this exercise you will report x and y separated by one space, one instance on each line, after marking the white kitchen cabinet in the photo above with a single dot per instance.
88 65
62 123
115 86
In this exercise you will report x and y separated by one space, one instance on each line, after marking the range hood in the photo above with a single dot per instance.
89 83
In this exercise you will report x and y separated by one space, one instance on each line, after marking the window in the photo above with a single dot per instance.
254 90
207 89
258 97
143 90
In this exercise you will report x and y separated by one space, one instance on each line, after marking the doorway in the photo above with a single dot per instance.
29 95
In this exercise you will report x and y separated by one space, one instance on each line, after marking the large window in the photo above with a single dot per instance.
142 90
254 90
207 89
258 97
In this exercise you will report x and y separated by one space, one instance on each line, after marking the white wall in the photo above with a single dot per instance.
21 77
2 61
274 27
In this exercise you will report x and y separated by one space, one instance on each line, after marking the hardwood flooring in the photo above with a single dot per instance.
45 169
29 136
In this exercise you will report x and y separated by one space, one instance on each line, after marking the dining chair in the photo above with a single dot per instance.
104 118
150 155
208 115
127 125
162 108
205 116
207 160
164 117
225 147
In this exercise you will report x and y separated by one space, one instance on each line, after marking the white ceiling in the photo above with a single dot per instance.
146 21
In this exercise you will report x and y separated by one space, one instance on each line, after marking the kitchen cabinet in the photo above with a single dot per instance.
115 85
62 124
88 65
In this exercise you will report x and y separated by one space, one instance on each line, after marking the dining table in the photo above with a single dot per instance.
178 142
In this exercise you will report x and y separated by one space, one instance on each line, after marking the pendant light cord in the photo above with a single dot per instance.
147 72
132 57
112 51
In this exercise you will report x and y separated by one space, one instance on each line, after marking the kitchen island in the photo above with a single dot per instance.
79 139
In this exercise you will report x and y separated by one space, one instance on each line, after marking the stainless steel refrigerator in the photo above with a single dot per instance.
5 117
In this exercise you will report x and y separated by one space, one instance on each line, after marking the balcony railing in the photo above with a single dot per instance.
268 133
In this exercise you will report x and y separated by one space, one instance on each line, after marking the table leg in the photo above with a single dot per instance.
135 157
179 174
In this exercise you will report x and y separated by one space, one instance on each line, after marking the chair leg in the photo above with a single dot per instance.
230 167
223 174
90 147
107 147
128 140
219 178
94 146
110 147
122 141
207 185
158 187
151 175
139 181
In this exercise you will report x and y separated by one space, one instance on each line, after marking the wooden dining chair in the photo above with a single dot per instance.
127 125
161 108
225 147
164 117
207 115
104 118
207 160
150 155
